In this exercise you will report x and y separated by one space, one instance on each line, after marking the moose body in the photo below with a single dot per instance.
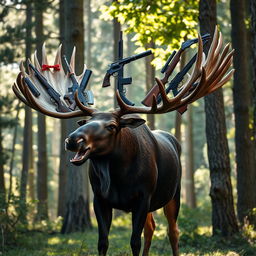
133 169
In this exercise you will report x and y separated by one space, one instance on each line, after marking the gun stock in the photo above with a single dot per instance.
106 80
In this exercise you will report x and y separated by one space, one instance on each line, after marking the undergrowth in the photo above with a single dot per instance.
195 239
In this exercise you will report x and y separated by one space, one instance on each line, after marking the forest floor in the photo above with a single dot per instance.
195 239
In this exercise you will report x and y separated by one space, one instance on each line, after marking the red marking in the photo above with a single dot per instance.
47 67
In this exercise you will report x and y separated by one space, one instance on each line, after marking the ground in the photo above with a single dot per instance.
195 239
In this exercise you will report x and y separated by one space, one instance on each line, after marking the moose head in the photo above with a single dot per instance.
133 169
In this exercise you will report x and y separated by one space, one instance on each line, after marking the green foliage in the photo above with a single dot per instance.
11 213
162 22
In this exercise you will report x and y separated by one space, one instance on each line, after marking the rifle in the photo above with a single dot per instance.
31 87
173 85
75 87
121 81
55 97
168 68
118 65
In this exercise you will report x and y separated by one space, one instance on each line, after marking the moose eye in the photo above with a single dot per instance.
111 127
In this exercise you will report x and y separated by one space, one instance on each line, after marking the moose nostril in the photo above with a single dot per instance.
80 140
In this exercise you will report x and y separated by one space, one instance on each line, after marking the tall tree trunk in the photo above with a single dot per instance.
245 150
178 116
190 196
77 216
253 50
12 154
150 81
27 131
223 214
116 37
2 181
42 168
89 34
253 58
63 166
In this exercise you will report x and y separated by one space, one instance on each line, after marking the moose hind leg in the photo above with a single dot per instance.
171 210
149 229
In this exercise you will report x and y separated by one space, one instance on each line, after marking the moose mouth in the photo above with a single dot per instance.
81 156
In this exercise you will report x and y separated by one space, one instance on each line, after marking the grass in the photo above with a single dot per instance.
195 239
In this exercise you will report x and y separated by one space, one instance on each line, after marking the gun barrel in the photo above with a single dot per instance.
31 87
168 62
137 56
85 79
66 63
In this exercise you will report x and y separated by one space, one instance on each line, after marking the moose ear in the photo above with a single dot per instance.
81 122
131 122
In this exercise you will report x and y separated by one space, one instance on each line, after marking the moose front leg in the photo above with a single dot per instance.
103 214
139 215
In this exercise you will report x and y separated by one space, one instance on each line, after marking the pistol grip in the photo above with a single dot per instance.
106 80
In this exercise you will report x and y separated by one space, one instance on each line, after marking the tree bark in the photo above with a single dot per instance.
77 216
178 116
253 58
27 131
2 181
253 50
42 168
12 154
223 214
63 166
190 196
89 34
245 150
116 37
150 81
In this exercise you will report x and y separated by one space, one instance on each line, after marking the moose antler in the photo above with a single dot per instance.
30 91
205 78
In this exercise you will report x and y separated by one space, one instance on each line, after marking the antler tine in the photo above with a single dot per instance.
72 58
58 56
36 62
86 110
44 55
19 95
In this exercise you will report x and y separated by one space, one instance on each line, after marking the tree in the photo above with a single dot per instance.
245 149
223 214
253 49
190 196
150 81
63 166
77 217
42 169
27 132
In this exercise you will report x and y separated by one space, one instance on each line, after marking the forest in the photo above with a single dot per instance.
46 203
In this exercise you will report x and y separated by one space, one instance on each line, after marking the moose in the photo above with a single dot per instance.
132 168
